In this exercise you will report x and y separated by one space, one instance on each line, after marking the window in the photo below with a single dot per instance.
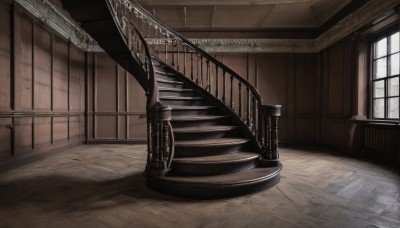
385 77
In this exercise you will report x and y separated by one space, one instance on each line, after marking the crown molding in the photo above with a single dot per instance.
69 29
48 13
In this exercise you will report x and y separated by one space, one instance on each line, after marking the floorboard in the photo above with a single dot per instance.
103 186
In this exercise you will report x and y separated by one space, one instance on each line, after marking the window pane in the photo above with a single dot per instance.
394 64
379 108
380 68
394 43
381 48
393 106
379 89
393 89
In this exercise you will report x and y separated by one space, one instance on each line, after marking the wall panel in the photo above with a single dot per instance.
24 63
5 58
42 70
60 75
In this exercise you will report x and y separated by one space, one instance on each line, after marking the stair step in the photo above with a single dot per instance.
218 159
169 81
192 107
164 73
196 118
213 165
204 129
176 98
216 186
166 89
212 142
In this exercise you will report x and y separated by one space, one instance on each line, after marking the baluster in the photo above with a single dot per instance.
177 59
166 48
184 59
231 94
191 65
254 118
198 69
248 107
240 99
201 71
208 83
173 54
224 87
216 81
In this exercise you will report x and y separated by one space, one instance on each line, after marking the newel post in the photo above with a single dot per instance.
270 113
160 141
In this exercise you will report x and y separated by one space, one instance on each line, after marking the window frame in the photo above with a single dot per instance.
372 46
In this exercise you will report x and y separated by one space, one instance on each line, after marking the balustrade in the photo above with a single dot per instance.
148 37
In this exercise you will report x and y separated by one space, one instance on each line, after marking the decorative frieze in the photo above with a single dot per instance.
55 18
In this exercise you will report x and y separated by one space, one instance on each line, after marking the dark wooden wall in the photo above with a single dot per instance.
47 85
287 79
117 103
42 86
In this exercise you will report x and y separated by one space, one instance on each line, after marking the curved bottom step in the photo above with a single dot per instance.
216 186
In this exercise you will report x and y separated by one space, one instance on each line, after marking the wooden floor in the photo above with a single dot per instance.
103 186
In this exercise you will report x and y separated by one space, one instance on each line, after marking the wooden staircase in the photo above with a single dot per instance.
199 146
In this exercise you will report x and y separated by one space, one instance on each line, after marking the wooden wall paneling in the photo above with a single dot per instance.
137 128
42 68
5 58
105 84
23 135
122 105
106 127
288 120
272 84
60 129
5 139
306 98
60 75
23 67
74 126
77 73
324 95
336 80
42 132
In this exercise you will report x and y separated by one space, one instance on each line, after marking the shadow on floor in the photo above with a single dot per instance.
60 193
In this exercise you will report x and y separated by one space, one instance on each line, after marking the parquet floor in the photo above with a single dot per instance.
102 186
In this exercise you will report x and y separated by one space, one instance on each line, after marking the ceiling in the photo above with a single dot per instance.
244 14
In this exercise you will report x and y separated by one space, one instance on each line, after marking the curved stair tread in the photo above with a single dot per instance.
254 175
197 118
192 107
164 73
181 98
212 142
175 89
204 129
169 81
224 158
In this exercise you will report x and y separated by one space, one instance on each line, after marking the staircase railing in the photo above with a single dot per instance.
160 138
242 98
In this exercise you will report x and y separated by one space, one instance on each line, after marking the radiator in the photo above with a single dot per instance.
382 141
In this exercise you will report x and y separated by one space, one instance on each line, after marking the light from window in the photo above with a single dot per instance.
385 77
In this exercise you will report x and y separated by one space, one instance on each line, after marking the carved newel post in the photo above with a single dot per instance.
160 137
271 113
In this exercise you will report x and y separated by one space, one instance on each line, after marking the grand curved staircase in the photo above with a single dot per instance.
209 134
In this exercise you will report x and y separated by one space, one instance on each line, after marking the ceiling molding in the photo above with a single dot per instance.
52 16
55 18
354 21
